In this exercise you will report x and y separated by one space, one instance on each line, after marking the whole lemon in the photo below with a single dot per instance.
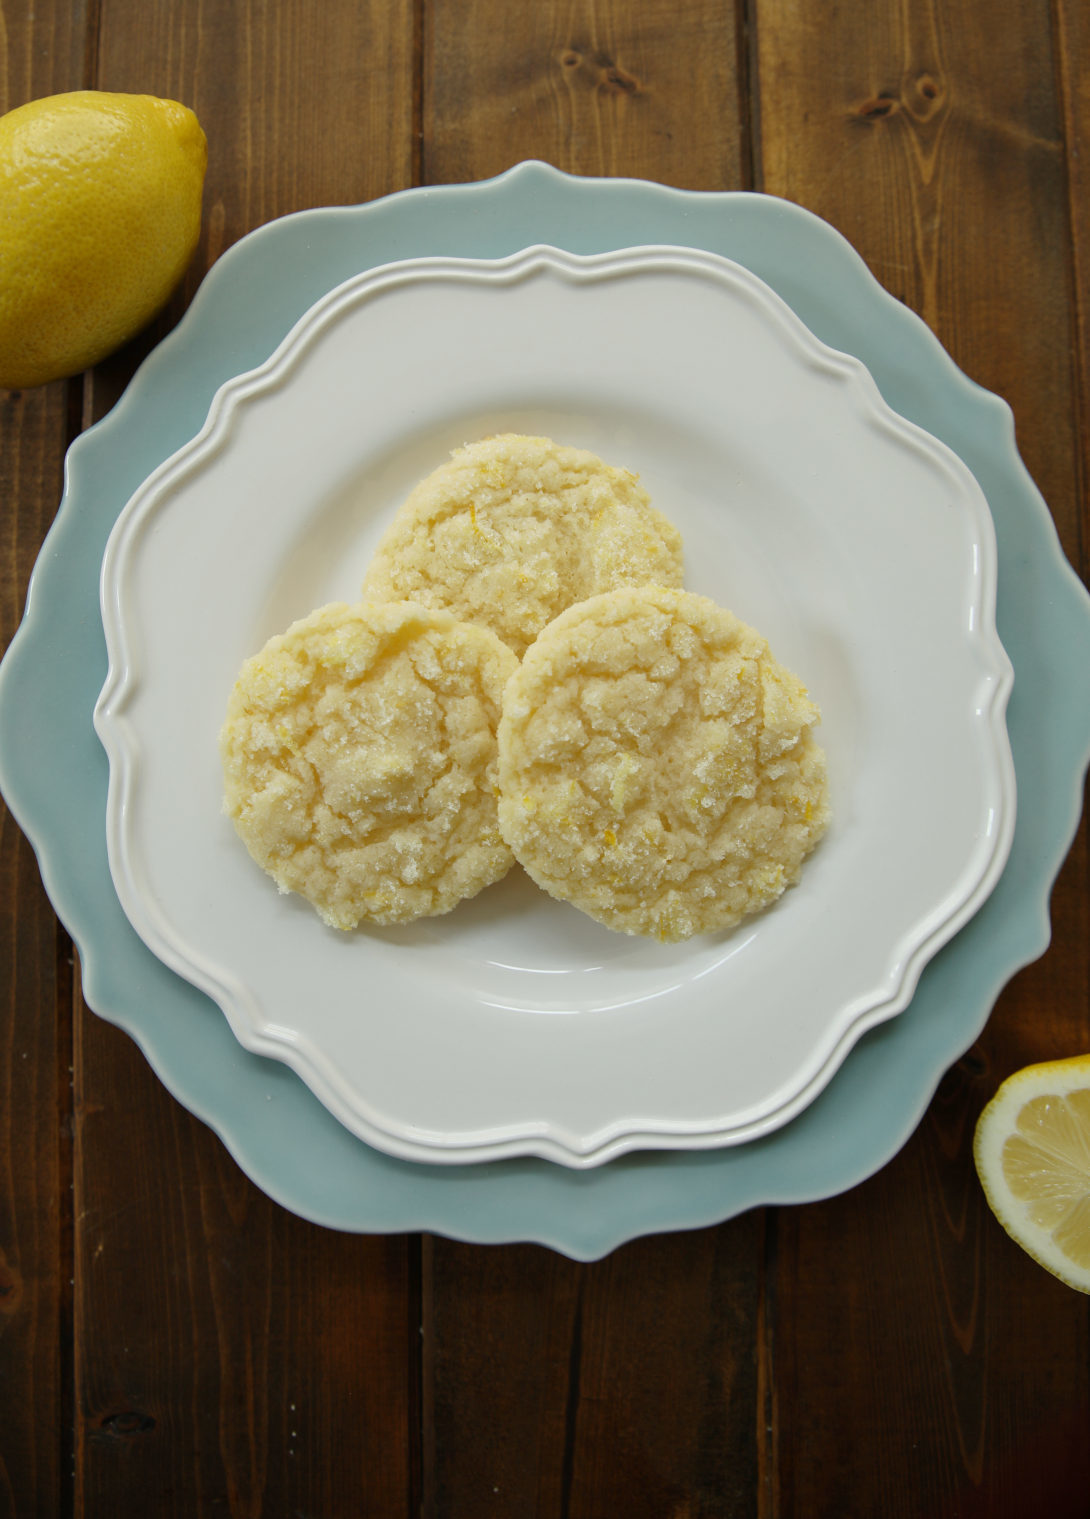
100 211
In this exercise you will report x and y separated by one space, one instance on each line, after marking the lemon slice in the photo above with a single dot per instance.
1032 1153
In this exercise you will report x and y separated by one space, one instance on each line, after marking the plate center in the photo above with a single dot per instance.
520 949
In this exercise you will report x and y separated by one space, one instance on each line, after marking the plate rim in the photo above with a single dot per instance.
614 1133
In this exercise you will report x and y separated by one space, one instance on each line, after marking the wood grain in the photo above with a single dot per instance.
950 179
558 1387
35 1024
939 1323
609 87
302 105
39 55
232 1358
1071 37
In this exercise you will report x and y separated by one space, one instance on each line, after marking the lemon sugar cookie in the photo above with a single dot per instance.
511 530
359 760
658 767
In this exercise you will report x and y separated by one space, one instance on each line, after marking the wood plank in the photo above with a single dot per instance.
927 163
41 54
628 1386
909 1324
231 1358
1072 41
941 1344
302 107
35 1034
602 88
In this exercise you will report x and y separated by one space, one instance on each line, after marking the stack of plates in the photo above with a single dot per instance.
514 1071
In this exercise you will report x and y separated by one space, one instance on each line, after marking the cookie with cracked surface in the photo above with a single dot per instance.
658 767
359 760
513 529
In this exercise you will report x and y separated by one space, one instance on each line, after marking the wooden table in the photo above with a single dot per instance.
172 1342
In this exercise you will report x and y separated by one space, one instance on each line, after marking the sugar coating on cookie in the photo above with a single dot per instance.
511 530
658 767
359 761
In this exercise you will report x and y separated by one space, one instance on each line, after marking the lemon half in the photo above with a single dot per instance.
100 212
1032 1154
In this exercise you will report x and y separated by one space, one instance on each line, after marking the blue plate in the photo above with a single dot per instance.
54 775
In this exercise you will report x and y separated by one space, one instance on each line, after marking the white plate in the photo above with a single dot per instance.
860 546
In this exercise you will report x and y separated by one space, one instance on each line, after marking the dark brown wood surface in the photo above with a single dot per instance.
172 1342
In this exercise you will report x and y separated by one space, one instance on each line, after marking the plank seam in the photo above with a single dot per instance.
424 1420
416 152
571 1404
91 44
1079 378
414 1330
749 117
768 1490
65 997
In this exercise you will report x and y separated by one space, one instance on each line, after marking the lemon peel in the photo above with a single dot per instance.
100 212
1032 1153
